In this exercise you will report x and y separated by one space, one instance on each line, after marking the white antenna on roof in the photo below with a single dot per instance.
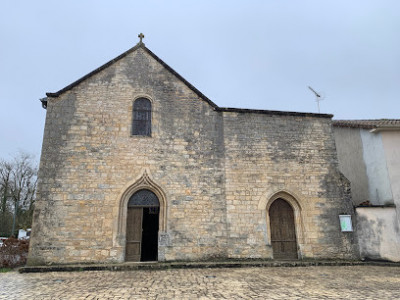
319 97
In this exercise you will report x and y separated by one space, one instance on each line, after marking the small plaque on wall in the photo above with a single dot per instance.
345 223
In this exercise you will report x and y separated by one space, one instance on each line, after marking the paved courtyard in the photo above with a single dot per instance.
343 282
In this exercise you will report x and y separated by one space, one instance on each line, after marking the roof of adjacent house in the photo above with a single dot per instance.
189 85
369 124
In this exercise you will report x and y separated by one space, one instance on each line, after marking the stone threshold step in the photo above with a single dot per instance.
128 266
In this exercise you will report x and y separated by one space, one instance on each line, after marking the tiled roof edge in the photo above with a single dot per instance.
350 125
369 124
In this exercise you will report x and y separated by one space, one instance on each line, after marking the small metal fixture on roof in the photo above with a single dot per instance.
318 97
141 36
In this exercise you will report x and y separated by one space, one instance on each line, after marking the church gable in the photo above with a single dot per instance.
134 64
102 103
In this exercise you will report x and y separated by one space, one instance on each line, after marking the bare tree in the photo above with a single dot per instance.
17 191
5 177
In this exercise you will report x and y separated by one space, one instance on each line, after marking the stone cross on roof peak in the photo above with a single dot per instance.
141 36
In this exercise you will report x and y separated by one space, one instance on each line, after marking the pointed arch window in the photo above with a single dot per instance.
141 124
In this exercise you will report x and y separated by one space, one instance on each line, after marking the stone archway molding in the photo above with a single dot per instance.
288 195
142 182
294 201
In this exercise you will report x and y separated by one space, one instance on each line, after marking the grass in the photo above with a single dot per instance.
5 270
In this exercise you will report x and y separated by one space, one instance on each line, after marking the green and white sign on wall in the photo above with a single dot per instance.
345 223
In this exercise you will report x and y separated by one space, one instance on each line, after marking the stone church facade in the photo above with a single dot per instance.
139 165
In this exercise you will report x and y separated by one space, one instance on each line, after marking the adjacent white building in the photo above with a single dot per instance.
369 156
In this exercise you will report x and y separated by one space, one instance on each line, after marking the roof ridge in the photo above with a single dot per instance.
133 49
188 84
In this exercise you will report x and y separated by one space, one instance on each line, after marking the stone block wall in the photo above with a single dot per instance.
217 170
293 157
89 157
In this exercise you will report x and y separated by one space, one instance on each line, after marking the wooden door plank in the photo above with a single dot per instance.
134 233
283 233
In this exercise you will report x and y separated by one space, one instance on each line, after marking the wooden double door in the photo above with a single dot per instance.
142 234
283 231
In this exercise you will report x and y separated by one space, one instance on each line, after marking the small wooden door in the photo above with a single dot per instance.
134 233
283 233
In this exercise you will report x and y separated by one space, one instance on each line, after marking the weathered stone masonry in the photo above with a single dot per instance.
215 170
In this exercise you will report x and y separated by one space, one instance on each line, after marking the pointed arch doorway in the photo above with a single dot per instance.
142 224
283 231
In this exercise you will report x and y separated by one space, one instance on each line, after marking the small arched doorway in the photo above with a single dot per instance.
142 225
283 231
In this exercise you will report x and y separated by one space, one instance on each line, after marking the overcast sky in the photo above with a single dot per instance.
247 54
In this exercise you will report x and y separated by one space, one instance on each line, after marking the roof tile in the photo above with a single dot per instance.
367 124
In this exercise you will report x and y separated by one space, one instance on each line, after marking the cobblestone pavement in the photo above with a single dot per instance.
344 282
